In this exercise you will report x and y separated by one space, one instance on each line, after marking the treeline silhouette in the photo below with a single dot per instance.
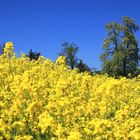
121 52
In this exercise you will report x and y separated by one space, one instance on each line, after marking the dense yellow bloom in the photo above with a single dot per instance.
74 135
45 100
8 49
44 122
26 137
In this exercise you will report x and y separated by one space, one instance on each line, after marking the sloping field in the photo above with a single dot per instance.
44 100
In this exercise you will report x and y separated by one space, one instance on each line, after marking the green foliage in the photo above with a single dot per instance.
95 71
70 50
33 55
138 71
121 53
83 66
1 49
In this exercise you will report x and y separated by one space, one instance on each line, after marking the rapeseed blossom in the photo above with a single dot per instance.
46 100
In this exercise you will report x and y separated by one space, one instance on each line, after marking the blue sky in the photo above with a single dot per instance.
44 25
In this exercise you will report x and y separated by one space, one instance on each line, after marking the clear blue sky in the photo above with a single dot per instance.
44 25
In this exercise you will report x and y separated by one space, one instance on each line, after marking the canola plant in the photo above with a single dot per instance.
45 100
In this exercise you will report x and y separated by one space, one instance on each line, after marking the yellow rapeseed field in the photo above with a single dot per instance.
42 100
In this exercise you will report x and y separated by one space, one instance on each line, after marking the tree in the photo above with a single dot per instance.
120 55
33 55
111 46
1 49
70 50
130 45
83 66
96 71
138 71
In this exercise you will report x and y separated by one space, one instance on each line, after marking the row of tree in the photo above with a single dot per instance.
69 50
120 56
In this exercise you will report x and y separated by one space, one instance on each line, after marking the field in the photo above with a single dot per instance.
45 100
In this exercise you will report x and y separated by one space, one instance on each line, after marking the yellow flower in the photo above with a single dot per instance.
26 137
42 99
74 135
61 61
8 47
19 126
135 134
44 122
